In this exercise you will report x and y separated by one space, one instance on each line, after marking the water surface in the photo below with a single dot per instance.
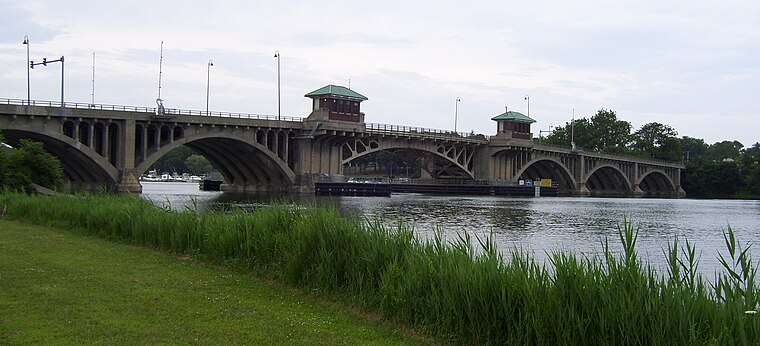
537 225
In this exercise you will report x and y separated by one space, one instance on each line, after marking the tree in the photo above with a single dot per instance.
749 164
198 165
712 178
657 141
27 164
559 136
174 161
609 133
4 163
693 148
725 150
603 132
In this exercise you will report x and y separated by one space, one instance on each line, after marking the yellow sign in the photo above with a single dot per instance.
546 182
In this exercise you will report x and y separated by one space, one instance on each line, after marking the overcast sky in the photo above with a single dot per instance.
693 65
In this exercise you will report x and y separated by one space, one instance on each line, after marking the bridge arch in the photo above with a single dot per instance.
83 167
608 180
439 160
656 183
548 167
244 163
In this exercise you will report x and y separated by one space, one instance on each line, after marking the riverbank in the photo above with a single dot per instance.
57 287
444 288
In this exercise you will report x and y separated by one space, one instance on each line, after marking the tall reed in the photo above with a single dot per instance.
446 288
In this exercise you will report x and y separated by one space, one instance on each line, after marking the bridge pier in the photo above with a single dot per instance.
582 191
128 182
637 191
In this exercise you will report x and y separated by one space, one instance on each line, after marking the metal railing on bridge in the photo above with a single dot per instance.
151 110
631 156
426 133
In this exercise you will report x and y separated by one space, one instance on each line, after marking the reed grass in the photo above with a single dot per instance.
446 288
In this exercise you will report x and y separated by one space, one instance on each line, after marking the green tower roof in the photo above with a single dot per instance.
337 91
514 116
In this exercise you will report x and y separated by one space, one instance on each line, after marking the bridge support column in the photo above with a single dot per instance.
143 140
106 143
580 173
679 192
127 181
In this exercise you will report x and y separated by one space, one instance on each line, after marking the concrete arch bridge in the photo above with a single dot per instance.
107 147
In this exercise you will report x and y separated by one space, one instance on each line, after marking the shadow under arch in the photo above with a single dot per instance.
244 164
656 183
437 164
83 168
549 168
607 180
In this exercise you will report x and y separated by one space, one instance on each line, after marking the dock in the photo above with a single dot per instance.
352 189
386 188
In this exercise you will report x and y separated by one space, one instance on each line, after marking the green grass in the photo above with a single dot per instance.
446 289
61 288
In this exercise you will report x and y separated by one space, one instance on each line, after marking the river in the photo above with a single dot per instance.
537 225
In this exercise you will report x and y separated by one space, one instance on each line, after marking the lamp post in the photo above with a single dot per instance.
277 55
456 111
208 81
44 62
28 64
527 98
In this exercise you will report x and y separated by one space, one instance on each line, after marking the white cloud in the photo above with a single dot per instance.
681 63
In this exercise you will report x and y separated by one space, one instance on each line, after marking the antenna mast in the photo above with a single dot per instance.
93 78
572 132
160 63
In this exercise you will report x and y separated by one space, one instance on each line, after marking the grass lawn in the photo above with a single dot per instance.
57 287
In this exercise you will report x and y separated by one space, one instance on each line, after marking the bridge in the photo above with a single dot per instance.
107 147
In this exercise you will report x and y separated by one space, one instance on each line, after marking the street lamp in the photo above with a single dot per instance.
28 64
527 98
456 110
277 55
208 81
44 62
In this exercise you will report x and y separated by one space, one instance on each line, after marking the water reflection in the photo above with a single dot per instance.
538 225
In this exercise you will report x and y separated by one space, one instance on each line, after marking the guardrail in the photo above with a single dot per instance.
426 132
151 110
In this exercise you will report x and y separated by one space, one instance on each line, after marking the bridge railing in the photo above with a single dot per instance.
614 156
175 111
151 110
41 103
426 132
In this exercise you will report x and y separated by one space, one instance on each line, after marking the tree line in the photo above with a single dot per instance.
183 160
724 169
